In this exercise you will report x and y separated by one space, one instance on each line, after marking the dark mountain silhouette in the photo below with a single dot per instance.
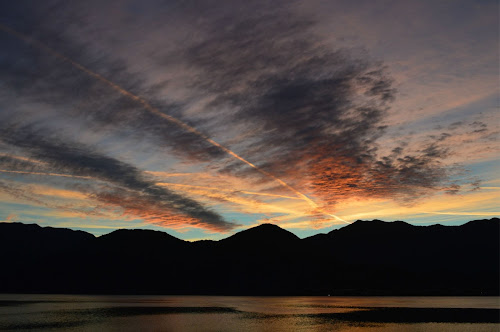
363 258
263 239
127 241
265 234
21 237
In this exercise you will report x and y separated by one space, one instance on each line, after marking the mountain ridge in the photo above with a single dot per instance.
349 226
363 258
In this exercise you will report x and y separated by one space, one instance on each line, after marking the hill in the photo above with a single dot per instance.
363 258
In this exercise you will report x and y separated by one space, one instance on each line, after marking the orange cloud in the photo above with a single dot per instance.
165 184
55 192
155 213
30 160
153 110
10 218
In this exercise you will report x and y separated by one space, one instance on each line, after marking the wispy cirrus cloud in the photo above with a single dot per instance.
12 217
316 113
79 160
250 92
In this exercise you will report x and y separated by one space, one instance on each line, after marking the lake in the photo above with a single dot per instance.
240 313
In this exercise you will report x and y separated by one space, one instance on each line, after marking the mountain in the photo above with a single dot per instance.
265 233
363 258
32 256
432 258
262 237
18 237
129 240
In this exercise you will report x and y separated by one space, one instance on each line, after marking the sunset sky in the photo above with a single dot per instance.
204 118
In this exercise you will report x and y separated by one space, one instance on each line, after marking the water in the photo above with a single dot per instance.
224 313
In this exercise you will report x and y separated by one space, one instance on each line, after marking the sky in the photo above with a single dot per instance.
205 118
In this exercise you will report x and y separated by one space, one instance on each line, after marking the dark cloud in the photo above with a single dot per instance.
311 114
78 159
30 73
12 162
316 113
479 127
475 184
456 125
453 189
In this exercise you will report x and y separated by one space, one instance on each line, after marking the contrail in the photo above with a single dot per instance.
22 158
49 174
217 193
167 175
157 112
166 184
265 194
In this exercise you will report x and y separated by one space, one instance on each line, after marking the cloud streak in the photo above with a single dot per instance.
155 111
317 113
79 160
249 92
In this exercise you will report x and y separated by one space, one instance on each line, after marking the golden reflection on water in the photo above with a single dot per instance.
211 313
228 322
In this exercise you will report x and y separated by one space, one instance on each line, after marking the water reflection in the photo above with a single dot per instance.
201 313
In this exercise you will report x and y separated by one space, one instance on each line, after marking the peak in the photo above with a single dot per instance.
263 233
138 235
33 229
136 231
401 222
377 222
19 225
374 225
365 222
481 222
267 226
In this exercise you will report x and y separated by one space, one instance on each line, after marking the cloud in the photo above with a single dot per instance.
78 159
69 77
12 217
254 76
316 113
